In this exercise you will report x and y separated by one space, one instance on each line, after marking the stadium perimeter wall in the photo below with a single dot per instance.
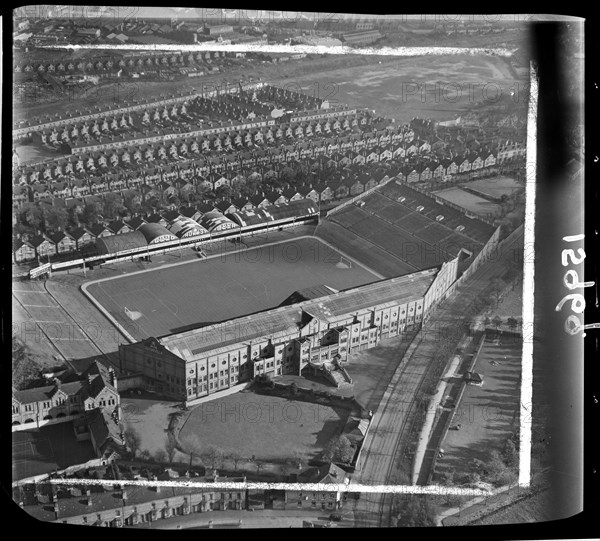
357 198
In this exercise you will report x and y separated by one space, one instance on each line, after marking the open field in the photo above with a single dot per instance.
495 187
469 201
436 87
201 292
489 414
148 417
118 92
52 447
269 427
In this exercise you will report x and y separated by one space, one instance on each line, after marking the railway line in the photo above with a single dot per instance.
394 420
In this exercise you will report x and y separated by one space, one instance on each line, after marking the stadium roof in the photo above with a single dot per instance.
213 219
124 241
301 207
184 226
282 321
308 293
154 230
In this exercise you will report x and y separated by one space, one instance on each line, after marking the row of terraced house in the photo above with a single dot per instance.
190 158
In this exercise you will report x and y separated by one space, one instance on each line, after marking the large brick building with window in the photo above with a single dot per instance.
194 364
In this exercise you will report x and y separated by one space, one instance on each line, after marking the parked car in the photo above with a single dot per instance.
335 517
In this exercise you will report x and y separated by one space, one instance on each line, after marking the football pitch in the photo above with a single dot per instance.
205 291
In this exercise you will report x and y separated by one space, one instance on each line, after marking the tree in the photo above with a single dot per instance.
497 322
235 458
55 218
494 465
259 465
339 450
113 206
510 455
171 447
447 477
223 192
496 288
293 389
31 215
132 441
213 457
131 204
264 380
417 511
72 217
160 456
90 212
512 323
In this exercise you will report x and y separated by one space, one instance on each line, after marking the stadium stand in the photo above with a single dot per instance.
156 233
300 208
186 227
215 221
411 226
118 243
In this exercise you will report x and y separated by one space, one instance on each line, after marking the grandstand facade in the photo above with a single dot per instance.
198 363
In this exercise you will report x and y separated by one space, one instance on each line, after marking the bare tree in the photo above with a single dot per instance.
132 441
213 456
235 458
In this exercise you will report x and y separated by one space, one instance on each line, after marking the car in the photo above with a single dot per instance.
335 517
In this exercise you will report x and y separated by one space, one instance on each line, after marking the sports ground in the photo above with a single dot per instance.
222 287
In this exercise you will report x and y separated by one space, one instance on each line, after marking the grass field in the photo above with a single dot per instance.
222 287
469 201
268 427
487 414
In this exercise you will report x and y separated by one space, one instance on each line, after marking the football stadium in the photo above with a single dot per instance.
374 268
